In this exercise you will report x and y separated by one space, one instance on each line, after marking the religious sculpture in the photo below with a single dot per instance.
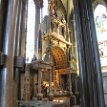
52 7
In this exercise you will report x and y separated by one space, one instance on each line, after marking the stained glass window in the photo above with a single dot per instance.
100 17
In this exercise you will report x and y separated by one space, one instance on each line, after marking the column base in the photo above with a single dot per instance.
70 93
76 93
39 96
50 96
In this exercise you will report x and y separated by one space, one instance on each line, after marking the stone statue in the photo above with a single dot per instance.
52 7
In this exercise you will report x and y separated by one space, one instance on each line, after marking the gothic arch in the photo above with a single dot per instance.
97 2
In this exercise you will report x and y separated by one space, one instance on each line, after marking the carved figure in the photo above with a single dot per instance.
51 7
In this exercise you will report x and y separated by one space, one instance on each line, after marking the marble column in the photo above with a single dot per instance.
91 89
50 85
74 79
68 61
7 73
70 83
38 44
35 84
24 27
3 10
39 94
18 49
37 24
27 84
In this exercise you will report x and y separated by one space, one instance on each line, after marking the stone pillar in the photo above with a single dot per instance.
24 27
50 86
7 73
37 24
74 82
35 84
89 63
17 50
68 63
39 94
27 84
19 27
70 84
3 10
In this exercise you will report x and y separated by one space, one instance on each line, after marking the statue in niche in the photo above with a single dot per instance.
63 28
52 7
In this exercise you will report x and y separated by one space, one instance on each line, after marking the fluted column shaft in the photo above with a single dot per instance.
39 94
89 63
37 26
50 85
18 48
3 10
7 73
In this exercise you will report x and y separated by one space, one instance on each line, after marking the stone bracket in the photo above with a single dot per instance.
2 58
19 62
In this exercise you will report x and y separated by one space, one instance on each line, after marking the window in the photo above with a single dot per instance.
30 31
45 8
100 17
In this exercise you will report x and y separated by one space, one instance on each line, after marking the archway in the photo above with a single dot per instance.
60 73
60 59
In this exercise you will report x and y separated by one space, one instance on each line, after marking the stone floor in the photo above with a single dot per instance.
75 106
41 104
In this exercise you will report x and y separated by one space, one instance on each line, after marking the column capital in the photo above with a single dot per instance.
39 3
24 2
